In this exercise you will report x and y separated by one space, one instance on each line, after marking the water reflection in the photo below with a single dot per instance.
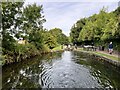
26 74
61 70
105 74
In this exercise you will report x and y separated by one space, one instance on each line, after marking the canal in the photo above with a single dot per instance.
68 69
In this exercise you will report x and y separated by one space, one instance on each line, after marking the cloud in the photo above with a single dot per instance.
64 14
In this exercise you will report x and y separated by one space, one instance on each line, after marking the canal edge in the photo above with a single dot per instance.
103 58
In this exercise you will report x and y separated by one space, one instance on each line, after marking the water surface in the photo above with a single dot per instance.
61 70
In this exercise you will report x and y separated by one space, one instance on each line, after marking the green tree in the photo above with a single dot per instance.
110 30
33 20
117 15
75 30
49 40
36 38
11 13
88 32
59 36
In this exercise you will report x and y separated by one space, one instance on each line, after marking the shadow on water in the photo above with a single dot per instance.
106 75
25 74
61 70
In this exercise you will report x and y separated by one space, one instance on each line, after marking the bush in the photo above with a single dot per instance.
25 51
2 60
21 52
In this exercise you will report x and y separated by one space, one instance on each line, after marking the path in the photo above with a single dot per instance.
103 53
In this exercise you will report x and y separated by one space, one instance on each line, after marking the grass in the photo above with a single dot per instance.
57 48
1 62
101 54
107 56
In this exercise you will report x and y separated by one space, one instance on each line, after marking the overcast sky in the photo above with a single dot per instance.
64 13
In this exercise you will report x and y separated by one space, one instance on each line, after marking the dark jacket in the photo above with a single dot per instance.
110 46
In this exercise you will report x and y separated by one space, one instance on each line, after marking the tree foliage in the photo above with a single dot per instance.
98 27
49 40
27 23
75 30
59 36
11 13
33 24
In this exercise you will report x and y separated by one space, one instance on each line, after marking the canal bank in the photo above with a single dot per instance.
10 60
112 59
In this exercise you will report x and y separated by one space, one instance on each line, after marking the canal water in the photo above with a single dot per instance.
68 69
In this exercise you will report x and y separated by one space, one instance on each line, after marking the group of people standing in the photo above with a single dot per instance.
110 47
69 46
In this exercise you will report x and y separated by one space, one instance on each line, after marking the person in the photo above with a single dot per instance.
103 47
110 48
92 46
75 46
69 46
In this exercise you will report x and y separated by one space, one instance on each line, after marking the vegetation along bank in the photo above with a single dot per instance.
23 34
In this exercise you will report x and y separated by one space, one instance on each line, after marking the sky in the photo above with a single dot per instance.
64 13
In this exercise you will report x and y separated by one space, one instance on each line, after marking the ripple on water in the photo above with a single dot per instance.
68 70
68 74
